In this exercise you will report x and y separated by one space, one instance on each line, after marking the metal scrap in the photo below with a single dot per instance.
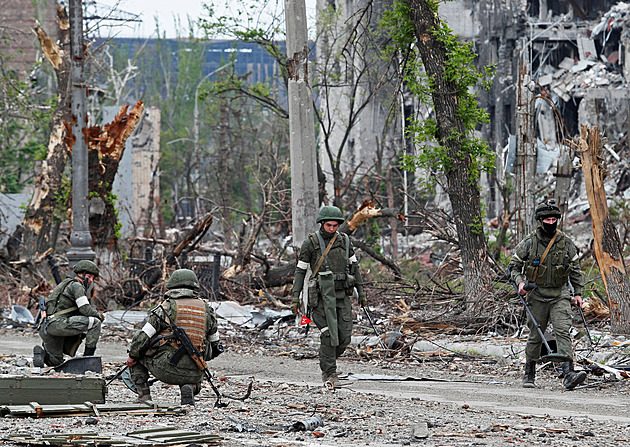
90 409
161 436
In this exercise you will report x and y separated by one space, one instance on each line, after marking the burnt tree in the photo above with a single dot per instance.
106 146
607 246
38 219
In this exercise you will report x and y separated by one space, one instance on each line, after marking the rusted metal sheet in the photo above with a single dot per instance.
81 365
20 390
160 436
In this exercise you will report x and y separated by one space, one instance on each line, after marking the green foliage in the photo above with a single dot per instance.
459 72
25 115
374 236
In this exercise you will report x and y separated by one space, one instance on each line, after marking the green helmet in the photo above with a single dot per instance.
183 279
329 213
86 266
547 209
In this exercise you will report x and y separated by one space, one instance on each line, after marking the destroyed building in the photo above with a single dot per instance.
573 58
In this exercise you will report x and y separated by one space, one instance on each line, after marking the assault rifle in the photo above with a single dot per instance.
181 335
42 314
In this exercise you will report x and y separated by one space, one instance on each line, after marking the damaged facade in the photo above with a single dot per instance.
569 56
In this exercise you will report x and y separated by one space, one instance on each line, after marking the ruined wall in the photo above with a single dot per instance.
17 21
372 140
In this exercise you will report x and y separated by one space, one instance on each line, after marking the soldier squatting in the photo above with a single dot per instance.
544 266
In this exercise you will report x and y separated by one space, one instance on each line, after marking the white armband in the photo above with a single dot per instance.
575 258
214 337
302 265
149 330
91 321
82 301
352 259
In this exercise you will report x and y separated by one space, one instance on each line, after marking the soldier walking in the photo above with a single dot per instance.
335 276
542 266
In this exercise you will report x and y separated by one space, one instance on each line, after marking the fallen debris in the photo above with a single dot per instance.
37 410
162 436
384 377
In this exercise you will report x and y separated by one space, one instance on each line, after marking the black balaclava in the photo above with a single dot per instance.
549 229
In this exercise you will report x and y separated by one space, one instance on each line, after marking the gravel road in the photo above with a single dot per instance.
456 404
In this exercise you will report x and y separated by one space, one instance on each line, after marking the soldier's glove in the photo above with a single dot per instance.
217 350
101 316
362 301
295 304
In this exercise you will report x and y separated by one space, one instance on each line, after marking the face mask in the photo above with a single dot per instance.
550 229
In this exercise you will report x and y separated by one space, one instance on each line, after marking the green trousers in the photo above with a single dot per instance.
64 335
328 354
558 312
185 372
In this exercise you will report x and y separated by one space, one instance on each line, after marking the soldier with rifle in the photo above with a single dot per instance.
180 335
544 267
68 318
335 275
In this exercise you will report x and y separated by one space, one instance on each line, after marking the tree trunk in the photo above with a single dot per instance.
274 277
393 223
462 190
607 247
38 218
106 146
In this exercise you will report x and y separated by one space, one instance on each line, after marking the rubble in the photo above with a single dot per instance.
165 436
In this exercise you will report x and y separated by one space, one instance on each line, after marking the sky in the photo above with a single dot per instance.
168 11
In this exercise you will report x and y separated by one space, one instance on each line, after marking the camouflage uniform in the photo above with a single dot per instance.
550 300
332 343
71 318
153 353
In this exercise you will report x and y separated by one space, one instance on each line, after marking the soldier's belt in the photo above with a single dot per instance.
62 312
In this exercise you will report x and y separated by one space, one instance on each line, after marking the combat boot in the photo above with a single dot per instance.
530 375
571 377
330 380
144 392
89 351
38 356
187 393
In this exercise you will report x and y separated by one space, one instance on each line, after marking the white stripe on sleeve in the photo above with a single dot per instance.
149 330
302 265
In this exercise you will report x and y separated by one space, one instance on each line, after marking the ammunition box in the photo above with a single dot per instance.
19 390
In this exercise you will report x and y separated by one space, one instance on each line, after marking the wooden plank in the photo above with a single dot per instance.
142 438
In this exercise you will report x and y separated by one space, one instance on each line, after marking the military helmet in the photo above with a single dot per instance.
85 266
547 209
329 213
183 279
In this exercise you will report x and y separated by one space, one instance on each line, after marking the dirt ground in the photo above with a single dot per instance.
457 403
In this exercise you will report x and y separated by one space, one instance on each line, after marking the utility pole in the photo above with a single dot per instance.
304 190
80 239
525 165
